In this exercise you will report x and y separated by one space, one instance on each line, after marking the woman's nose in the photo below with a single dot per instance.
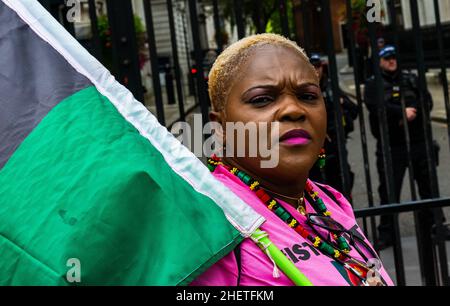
291 109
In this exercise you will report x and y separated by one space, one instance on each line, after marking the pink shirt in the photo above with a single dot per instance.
257 269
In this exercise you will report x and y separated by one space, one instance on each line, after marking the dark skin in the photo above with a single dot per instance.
278 85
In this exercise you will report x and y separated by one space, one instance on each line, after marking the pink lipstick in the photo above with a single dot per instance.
296 137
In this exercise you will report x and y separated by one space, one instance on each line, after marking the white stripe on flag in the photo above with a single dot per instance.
177 156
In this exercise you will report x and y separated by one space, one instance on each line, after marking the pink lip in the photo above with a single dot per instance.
296 137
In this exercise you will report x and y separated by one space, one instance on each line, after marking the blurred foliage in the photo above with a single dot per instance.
269 17
274 24
360 23
105 31
271 21
105 37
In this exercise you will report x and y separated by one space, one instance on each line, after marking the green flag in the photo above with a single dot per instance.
92 189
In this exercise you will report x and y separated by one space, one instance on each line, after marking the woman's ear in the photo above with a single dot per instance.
216 116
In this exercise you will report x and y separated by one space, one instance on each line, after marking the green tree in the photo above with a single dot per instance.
269 17
360 23
105 38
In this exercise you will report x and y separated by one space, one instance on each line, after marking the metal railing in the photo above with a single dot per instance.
435 273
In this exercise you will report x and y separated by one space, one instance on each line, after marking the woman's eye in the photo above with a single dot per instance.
308 97
261 100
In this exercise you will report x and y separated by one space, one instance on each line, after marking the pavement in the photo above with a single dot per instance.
411 260
171 111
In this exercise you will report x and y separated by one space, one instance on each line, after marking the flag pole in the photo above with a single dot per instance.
261 238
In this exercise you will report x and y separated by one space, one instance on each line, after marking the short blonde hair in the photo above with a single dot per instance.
228 63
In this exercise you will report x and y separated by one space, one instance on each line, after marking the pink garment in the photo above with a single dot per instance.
257 269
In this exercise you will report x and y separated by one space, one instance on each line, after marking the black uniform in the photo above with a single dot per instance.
330 175
397 86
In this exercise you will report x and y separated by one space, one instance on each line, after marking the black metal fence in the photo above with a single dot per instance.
431 236
434 270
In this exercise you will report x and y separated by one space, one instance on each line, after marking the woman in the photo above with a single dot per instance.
264 79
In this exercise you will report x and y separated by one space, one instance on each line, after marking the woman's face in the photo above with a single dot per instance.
277 85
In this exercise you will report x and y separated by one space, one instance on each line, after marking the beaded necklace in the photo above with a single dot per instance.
300 201
339 254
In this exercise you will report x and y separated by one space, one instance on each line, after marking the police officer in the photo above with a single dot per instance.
330 174
398 85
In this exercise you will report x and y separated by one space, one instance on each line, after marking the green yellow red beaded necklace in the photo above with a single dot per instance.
339 254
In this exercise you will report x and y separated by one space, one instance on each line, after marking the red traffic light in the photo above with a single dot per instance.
193 71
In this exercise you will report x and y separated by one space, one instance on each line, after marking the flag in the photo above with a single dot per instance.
93 190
